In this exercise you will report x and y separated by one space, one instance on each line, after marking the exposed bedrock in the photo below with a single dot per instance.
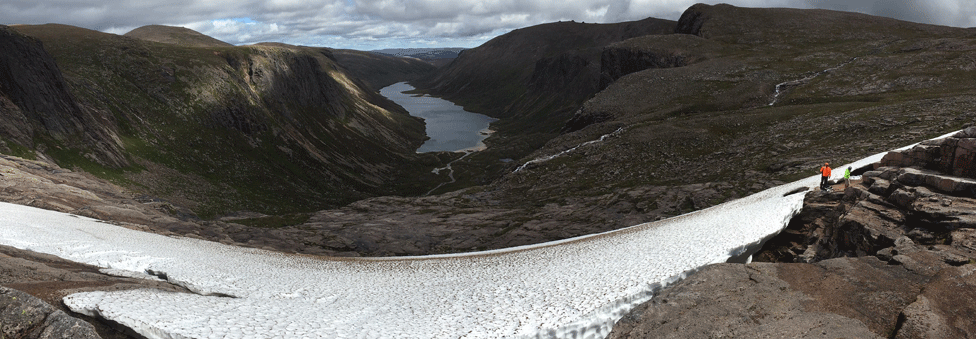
618 61
23 316
891 257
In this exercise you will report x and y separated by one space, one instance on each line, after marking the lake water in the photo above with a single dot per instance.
449 127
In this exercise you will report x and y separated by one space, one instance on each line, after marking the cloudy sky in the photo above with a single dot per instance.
376 24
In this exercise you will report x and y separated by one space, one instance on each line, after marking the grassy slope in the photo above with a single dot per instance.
231 128
710 122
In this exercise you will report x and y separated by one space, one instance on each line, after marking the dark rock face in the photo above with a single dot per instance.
692 20
35 101
552 73
617 62
893 257
30 79
25 317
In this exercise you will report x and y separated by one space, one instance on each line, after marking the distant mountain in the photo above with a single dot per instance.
435 56
175 35
422 53
382 71
265 128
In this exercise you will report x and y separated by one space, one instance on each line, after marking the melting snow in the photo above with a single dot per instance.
574 288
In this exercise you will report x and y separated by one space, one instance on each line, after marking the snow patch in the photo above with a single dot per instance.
573 288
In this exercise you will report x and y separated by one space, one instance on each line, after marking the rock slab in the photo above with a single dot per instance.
23 316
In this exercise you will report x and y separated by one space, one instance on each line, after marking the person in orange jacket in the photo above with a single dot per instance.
824 176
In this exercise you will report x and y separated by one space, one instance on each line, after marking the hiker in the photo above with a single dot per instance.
847 178
824 176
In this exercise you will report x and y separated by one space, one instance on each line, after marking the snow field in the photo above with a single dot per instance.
574 288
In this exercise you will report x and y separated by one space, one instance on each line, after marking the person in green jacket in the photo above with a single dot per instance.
847 178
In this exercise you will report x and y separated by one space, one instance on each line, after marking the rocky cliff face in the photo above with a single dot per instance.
36 103
892 257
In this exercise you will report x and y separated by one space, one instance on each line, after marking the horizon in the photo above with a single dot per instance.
373 25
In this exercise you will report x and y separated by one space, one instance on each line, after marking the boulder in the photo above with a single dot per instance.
968 132
880 187
23 316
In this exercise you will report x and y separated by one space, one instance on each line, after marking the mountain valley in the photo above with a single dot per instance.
601 127
737 107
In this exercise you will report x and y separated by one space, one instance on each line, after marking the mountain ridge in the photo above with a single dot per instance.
175 35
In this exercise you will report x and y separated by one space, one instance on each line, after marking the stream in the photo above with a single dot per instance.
781 87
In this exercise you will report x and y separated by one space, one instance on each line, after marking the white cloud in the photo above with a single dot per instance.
365 24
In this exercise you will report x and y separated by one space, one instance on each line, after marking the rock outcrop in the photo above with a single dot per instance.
953 155
23 316
892 257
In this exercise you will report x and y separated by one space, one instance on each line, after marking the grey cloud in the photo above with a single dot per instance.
353 23
960 13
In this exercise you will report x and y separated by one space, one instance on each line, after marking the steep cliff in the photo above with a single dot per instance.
36 104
